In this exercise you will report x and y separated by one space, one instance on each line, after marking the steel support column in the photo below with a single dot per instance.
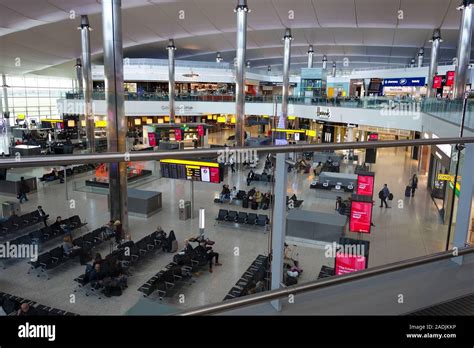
87 82
283 122
464 48
116 121
241 11
171 75
435 43
421 56
325 62
310 56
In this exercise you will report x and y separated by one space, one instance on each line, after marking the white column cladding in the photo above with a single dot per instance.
421 56
464 49
435 43
278 225
310 56
171 75
325 62
241 10
287 38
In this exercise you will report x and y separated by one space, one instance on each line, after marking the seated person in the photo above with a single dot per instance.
127 243
57 224
26 310
211 255
43 215
265 200
225 194
170 242
233 194
69 248
161 235
50 176
188 249
318 169
109 229
258 197
96 276
118 229
118 273
251 193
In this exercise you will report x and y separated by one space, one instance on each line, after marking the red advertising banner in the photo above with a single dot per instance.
348 263
178 134
449 78
373 137
365 185
214 175
361 216
200 130
151 139
437 81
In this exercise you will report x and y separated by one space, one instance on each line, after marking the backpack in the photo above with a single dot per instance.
381 194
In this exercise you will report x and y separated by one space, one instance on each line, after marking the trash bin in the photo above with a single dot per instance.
9 207
185 212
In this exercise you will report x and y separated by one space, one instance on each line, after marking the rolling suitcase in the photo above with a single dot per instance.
245 203
254 205
408 191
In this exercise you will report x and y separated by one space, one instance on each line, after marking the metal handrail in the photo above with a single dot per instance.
109 157
323 283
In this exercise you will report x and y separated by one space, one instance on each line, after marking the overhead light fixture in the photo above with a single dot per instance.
219 58
191 75
247 65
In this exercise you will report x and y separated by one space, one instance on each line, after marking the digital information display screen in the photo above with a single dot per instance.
349 263
191 170
365 185
361 216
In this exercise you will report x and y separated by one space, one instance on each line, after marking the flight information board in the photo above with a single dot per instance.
191 170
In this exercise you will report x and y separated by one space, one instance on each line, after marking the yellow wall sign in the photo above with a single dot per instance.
20 116
191 163
288 131
311 133
222 119
445 177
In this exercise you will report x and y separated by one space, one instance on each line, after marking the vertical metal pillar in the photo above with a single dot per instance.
464 48
412 63
79 78
6 109
171 88
325 62
87 82
278 225
116 121
465 198
283 123
421 56
435 43
310 56
333 71
241 10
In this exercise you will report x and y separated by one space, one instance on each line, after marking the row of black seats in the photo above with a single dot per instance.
56 256
49 232
11 304
17 223
253 280
167 281
128 253
83 168
326 272
242 217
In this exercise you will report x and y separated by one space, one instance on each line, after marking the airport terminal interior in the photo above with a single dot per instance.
162 156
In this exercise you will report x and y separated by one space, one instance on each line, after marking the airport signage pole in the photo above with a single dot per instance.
421 56
435 43
171 75
310 56
464 48
116 121
87 82
242 11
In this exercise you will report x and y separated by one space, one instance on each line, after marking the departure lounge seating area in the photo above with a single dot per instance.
20 224
12 306
242 218
255 279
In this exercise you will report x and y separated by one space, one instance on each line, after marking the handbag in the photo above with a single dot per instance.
390 196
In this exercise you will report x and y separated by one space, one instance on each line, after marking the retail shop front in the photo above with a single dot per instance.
438 176
404 87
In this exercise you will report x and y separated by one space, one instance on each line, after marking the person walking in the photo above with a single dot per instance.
413 184
24 189
383 195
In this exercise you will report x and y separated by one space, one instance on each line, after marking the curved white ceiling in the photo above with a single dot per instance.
41 35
